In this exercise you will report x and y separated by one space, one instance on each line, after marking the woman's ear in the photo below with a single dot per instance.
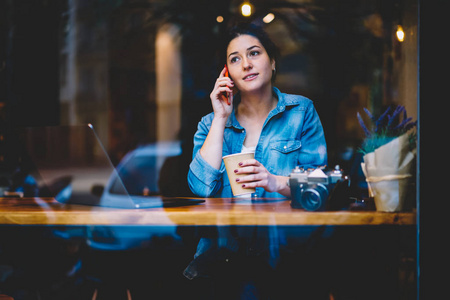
274 71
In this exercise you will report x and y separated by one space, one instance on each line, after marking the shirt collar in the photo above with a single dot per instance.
283 101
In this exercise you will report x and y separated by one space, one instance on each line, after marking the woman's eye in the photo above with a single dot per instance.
254 53
234 59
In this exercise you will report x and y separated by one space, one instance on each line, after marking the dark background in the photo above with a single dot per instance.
344 51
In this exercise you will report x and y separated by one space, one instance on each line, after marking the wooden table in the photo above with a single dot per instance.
38 220
213 212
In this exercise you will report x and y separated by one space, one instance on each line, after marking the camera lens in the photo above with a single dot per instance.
314 197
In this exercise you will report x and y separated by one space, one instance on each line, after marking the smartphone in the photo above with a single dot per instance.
226 71
226 94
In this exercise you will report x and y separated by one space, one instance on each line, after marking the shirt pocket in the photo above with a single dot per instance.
285 146
284 156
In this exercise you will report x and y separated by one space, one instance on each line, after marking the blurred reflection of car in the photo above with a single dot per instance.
138 172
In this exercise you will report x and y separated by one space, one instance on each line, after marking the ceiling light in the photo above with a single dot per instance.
400 33
246 9
268 18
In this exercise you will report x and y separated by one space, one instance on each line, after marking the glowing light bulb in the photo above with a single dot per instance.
219 19
268 18
246 9
400 33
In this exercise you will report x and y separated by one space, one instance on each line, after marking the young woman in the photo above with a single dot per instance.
283 131
250 114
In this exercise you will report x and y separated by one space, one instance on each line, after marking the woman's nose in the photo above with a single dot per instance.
247 64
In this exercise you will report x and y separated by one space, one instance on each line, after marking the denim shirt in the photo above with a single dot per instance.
292 135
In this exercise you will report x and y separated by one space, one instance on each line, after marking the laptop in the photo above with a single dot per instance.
72 166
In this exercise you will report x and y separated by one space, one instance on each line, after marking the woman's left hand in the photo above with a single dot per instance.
258 176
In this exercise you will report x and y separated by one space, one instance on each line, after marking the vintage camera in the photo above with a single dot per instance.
316 190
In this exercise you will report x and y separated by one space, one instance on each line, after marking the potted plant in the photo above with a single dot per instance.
389 150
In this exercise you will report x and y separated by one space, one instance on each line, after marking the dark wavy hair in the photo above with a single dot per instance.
257 32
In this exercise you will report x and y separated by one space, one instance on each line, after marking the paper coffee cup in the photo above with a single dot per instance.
232 163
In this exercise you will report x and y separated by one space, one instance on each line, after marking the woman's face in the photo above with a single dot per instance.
249 64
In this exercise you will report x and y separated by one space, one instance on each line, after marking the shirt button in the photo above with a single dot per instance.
285 147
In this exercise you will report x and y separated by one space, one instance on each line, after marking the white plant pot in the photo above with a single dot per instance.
389 195
387 171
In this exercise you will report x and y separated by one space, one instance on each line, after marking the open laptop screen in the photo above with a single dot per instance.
70 162
73 166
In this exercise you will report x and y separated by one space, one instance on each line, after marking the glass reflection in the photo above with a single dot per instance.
142 72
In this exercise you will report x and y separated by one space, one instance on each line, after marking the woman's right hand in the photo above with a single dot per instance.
222 103
222 96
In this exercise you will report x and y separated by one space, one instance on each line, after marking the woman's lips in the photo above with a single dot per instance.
250 76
